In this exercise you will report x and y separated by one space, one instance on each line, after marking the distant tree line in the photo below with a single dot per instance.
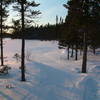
46 32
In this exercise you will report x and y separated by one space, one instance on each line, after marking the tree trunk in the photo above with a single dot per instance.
94 50
76 51
1 40
23 44
84 64
23 60
68 52
72 50
80 50
57 37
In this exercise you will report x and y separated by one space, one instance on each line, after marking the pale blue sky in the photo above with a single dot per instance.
49 10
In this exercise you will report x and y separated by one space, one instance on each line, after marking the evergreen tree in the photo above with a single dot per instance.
3 16
95 24
83 17
27 14
16 28
73 23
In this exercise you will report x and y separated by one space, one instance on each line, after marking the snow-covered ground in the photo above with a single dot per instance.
49 75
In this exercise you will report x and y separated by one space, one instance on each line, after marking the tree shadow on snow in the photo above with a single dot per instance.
52 83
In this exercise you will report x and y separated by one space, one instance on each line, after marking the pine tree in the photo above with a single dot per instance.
24 7
95 24
82 16
73 24
3 16
86 8
16 26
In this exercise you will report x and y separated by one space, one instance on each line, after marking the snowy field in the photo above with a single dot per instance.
49 75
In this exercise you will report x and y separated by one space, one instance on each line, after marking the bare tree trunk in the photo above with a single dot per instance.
80 50
94 50
72 50
68 52
56 28
23 44
1 40
76 51
84 64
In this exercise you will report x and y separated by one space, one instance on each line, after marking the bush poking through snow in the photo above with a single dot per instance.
9 86
4 69
17 57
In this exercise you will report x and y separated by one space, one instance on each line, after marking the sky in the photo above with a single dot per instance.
49 9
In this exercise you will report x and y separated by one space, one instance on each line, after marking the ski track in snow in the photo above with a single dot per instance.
49 75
